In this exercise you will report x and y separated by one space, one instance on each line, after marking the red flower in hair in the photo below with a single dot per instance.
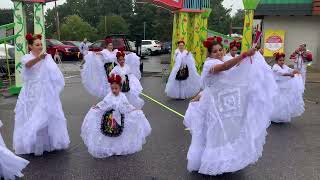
114 78
234 43
108 40
120 53
29 37
39 36
211 40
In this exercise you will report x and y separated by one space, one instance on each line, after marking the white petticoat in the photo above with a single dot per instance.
133 61
289 101
228 124
133 95
186 88
136 129
40 124
10 164
94 77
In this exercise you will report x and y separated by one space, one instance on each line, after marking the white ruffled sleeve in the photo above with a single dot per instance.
125 107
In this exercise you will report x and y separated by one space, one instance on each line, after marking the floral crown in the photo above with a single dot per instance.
114 78
212 40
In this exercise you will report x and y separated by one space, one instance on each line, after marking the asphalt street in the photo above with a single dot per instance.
292 151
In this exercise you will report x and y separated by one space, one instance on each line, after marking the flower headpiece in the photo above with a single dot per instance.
30 37
234 43
108 40
114 78
120 53
212 40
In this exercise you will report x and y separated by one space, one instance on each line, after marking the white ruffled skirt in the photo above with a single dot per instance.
94 77
183 89
133 95
228 125
10 164
40 124
289 101
136 129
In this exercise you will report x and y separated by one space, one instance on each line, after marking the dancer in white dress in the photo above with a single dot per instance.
97 68
10 164
289 101
233 50
40 124
184 80
131 86
302 58
228 126
114 126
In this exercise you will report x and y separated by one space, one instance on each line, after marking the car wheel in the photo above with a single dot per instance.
149 52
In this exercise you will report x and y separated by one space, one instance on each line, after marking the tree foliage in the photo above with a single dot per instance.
112 25
76 29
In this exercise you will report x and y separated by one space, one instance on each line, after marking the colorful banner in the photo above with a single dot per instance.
273 42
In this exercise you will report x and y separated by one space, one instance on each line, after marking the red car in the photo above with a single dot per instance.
64 51
119 42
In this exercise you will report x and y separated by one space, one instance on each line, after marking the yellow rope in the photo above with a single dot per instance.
159 103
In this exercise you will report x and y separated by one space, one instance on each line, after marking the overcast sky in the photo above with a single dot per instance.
234 4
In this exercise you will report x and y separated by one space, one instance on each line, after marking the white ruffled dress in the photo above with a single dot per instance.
40 124
228 126
93 74
134 84
133 61
10 164
136 128
186 88
289 101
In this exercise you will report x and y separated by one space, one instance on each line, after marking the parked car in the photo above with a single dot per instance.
72 43
152 46
65 52
167 46
3 59
144 51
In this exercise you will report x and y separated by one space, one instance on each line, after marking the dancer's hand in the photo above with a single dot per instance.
295 72
251 52
195 99
42 56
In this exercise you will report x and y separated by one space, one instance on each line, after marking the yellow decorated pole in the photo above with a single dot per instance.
249 6
191 27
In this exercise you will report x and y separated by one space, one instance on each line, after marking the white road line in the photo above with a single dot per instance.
69 77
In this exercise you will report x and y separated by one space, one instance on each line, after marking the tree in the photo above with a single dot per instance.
75 28
237 20
112 25
220 18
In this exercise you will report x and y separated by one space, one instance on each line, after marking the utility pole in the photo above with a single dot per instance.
105 24
57 19
144 30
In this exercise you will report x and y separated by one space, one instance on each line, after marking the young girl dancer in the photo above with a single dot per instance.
289 101
228 125
131 86
184 80
40 124
114 126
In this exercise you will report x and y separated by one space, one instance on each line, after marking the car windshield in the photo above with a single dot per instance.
55 42
76 43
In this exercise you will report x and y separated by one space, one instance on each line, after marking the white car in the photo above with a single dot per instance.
132 45
152 46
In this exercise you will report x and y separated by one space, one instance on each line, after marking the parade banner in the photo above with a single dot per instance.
273 42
